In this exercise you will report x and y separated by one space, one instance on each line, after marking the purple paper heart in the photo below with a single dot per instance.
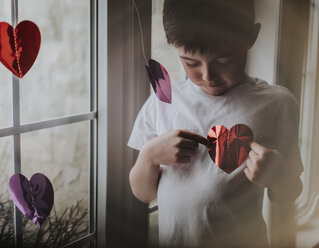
33 198
160 80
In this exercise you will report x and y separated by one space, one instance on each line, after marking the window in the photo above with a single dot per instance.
307 204
99 123
297 69
54 126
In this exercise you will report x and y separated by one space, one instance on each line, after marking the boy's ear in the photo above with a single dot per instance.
253 35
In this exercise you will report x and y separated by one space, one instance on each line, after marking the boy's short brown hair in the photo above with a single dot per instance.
200 25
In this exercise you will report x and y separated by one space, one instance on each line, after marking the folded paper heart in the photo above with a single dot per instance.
33 198
160 80
229 149
19 47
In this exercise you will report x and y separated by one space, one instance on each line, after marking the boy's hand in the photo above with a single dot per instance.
264 166
175 147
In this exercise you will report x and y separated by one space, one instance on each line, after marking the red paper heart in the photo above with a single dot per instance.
19 47
229 149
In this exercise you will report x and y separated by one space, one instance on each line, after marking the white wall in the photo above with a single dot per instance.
262 56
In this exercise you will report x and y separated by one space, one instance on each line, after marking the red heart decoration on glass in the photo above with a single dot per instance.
160 80
229 149
19 47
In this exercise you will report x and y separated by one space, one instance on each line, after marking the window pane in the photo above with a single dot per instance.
161 51
6 206
5 11
5 97
62 154
58 83
5 75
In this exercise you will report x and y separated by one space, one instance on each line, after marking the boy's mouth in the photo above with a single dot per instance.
214 85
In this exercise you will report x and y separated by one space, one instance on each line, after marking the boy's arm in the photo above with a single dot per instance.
175 147
144 177
268 169
289 192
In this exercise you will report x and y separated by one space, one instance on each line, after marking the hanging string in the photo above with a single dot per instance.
141 31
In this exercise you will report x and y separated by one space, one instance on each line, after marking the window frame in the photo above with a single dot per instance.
17 129
309 104
294 64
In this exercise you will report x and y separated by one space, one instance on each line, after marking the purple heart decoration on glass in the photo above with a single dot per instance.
160 80
33 198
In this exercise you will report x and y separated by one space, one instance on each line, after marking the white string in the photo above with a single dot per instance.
139 22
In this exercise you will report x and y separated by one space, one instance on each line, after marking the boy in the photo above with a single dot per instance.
199 204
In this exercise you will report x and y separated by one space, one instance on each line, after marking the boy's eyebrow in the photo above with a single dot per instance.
221 56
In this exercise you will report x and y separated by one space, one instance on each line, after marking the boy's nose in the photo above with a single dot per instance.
209 73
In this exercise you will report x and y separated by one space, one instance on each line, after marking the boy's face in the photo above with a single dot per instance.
215 72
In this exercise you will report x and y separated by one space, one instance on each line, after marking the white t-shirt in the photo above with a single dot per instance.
200 205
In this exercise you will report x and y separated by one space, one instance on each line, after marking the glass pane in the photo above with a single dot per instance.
5 11
5 97
62 154
6 205
58 82
5 75
161 51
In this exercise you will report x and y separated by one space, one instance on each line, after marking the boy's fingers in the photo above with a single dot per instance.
194 136
249 165
259 149
247 173
187 153
188 144
253 155
183 160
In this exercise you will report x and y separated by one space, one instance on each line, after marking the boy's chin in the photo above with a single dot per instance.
215 91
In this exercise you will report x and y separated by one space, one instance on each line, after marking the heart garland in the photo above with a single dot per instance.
160 80
229 149
156 72
33 198
19 47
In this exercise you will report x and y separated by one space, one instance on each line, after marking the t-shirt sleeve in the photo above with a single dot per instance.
144 128
289 133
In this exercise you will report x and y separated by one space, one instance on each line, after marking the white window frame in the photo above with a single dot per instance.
309 142
17 129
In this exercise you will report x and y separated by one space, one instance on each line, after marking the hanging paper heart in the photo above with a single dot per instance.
160 80
229 149
33 198
19 47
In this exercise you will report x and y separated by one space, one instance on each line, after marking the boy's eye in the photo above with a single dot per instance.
192 65
224 60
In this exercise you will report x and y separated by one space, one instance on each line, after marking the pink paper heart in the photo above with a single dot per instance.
160 80
33 198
